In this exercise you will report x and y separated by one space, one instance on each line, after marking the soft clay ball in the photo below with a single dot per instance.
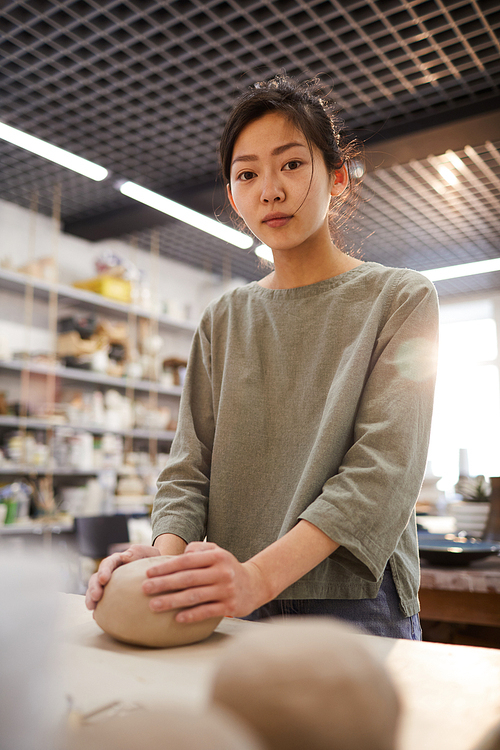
124 613
157 729
309 683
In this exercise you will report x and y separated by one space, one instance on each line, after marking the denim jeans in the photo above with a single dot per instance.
379 616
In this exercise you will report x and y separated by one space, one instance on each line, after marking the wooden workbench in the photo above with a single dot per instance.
468 595
451 693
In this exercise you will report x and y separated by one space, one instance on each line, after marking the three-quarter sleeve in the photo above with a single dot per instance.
369 502
181 501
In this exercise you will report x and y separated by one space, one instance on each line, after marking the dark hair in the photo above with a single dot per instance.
316 116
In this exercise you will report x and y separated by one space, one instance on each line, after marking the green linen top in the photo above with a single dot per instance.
310 403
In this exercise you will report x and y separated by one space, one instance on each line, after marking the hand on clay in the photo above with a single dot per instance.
205 581
109 564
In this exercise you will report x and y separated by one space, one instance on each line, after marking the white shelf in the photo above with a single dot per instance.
38 527
19 470
18 282
154 434
33 423
88 376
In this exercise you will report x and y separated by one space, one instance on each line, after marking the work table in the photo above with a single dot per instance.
469 594
451 694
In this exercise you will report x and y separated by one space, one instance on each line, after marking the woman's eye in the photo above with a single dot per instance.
245 176
292 165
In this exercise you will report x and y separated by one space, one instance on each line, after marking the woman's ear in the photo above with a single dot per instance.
340 180
231 199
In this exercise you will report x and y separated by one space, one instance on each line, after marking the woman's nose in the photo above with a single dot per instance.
272 190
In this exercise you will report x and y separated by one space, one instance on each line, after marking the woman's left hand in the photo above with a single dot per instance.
205 581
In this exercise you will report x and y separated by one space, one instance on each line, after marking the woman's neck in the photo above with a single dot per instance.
295 270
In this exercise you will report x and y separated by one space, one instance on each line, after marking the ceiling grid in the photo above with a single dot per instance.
143 88
457 233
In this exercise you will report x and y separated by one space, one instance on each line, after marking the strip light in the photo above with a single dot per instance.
182 213
138 193
52 153
264 252
435 274
463 269
187 215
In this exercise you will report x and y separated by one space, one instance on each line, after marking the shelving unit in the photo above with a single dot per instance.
41 471
143 439
88 376
31 423
17 282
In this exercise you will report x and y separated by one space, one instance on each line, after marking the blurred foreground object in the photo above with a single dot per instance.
29 711
310 683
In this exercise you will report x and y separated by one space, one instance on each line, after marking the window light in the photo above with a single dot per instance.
52 153
187 215
463 269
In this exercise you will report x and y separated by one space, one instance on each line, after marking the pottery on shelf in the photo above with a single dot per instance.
471 517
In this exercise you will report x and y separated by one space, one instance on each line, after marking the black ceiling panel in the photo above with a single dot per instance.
143 88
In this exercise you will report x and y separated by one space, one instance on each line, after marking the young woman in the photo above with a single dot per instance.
305 416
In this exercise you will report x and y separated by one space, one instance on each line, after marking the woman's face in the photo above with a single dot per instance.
275 189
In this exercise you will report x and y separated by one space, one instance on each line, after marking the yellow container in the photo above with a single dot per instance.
108 286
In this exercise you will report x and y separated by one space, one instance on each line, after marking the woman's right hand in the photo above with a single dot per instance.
98 580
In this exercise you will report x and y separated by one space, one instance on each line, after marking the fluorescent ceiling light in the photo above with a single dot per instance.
455 160
138 193
187 215
435 274
52 153
264 252
463 269
447 175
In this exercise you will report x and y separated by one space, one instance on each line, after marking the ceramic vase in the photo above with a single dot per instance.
492 528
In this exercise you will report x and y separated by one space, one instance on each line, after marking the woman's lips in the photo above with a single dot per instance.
276 220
